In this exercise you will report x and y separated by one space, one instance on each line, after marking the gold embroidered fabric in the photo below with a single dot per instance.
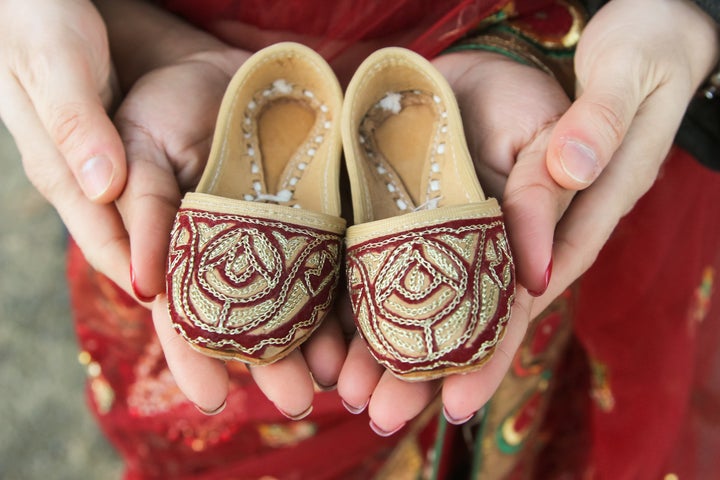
433 300
250 288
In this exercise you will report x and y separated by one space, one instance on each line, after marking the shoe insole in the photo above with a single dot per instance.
283 127
403 140
399 135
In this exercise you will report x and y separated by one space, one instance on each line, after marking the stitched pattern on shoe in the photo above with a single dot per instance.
247 287
435 299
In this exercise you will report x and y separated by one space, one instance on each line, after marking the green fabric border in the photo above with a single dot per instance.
477 451
438 448
487 48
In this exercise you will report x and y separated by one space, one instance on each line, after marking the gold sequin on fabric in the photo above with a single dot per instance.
285 435
701 301
601 391
564 36
102 393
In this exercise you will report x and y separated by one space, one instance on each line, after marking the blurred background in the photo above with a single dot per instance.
45 428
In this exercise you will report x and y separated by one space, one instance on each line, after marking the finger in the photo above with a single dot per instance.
148 206
395 402
594 126
509 146
165 153
325 353
533 203
97 229
344 311
359 376
68 102
592 216
202 379
287 384
464 395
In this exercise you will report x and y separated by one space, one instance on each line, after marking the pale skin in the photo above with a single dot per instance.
117 185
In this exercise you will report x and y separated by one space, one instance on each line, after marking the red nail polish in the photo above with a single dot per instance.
548 273
384 433
142 297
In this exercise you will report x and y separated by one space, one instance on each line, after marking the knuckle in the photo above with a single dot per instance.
609 118
43 179
583 258
518 195
66 126
102 254
32 61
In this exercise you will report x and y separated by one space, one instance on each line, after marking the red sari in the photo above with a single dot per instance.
619 378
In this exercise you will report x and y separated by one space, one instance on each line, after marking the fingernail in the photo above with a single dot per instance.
355 410
141 296
384 433
210 413
299 416
323 388
579 161
319 387
96 175
548 274
456 421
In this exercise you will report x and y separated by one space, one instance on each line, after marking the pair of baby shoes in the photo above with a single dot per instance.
257 250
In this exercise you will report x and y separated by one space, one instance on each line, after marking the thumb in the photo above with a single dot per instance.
588 134
71 109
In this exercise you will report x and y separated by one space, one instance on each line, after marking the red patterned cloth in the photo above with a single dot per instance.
634 394
161 435
648 316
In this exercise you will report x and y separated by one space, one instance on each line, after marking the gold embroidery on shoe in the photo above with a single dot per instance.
250 277
419 297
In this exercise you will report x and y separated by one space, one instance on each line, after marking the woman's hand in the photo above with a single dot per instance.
56 82
533 150
638 65
509 111
167 122
176 76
